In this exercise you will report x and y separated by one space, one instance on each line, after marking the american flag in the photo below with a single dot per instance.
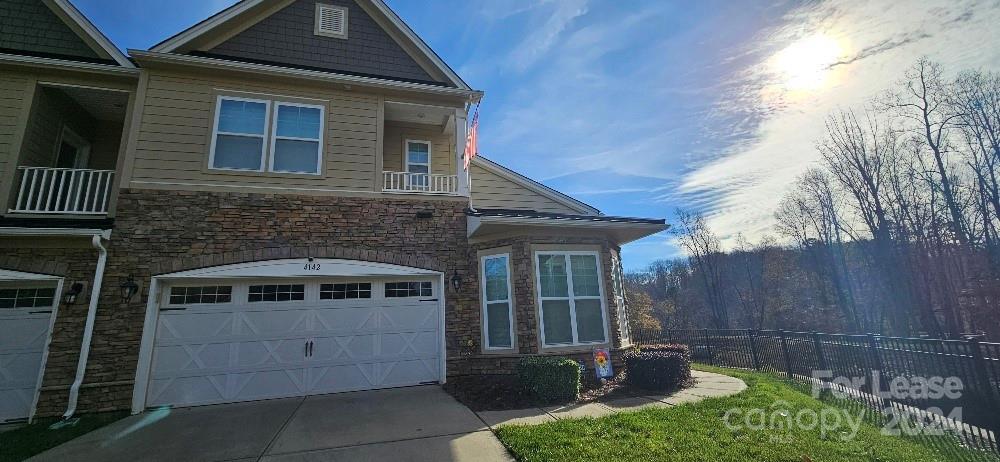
472 140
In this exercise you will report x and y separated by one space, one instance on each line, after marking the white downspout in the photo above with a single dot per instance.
88 329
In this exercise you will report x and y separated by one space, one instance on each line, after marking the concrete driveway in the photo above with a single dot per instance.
403 424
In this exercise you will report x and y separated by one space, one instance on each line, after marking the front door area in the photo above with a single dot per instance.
226 340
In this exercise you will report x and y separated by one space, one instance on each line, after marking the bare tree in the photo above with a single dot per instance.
705 253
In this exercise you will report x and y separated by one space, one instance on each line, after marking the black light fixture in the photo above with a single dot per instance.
129 288
73 293
456 282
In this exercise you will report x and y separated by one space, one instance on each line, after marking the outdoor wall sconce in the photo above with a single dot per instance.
71 296
129 288
456 282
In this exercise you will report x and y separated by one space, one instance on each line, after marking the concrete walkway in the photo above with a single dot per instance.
403 424
707 385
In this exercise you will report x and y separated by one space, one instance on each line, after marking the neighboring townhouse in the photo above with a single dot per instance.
270 203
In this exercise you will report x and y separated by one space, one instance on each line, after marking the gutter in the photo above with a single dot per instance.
329 77
88 330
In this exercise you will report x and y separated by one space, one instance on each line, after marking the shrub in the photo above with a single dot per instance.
549 379
669 347
657 370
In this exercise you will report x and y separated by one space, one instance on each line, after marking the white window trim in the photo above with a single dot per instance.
406 155
316 29
618 274
570 297
484 302
275 137
216 133
232 293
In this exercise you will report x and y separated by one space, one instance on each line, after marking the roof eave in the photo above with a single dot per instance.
239 66
94 33
535 186
52 63
621 232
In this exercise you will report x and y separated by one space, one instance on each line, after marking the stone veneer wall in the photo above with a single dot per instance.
159 232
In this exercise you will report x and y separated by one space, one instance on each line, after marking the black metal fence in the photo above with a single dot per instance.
954 384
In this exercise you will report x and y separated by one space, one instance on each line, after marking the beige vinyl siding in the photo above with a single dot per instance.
11 106
492 191
174 138
396 134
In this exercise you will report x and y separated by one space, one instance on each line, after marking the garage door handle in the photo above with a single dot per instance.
172 309
41 312
430 300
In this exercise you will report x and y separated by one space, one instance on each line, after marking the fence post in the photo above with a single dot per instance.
875 366
670 336
708 348
820 357
784 349
752 336
982 370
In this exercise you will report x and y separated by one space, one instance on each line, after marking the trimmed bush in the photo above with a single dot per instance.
549 379
657 370
668 347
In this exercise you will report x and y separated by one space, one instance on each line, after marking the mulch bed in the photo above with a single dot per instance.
499 392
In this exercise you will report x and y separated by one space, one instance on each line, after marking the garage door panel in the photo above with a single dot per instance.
269 353
349 319
191 357
409 343
276 383
344 377
188 390
408 372
27 332
185 326
272 322
16 403
410 316
346 347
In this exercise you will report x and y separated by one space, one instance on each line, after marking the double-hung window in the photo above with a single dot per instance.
498 316
240 134
571 298
258 135
418 163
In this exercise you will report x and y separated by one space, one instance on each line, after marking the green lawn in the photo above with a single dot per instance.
24 442
696 432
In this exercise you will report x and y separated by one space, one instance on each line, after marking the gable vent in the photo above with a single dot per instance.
331 21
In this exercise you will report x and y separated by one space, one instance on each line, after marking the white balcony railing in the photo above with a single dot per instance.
405 182
63 190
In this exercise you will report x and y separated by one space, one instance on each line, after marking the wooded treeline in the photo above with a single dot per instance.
895 231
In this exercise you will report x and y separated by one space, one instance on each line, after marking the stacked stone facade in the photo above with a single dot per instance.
158 232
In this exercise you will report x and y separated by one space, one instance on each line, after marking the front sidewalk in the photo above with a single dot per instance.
707 385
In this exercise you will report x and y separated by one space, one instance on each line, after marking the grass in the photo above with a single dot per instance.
21 443
697 432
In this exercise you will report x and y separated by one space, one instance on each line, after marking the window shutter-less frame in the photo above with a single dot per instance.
331 21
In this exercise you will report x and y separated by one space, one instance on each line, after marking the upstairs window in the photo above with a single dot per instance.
418 162
297 141
331 21
242 141
240 132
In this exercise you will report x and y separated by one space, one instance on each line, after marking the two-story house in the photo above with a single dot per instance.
270 203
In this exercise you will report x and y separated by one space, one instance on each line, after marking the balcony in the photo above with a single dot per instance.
72 191
421 183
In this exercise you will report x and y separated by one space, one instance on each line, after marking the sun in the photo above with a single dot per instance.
805 64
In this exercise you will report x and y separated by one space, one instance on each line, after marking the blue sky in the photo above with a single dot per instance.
641 107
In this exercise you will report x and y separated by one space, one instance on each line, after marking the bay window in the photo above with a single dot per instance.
242 141
571 298
498 316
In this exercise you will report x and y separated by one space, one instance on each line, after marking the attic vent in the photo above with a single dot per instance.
331 21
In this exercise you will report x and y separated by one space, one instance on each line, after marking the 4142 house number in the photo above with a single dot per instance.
311 267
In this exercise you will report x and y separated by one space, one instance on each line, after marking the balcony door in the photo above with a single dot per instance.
73 150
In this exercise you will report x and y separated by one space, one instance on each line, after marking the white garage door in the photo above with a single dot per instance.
26 310
220 342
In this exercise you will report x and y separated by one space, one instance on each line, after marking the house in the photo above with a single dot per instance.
270 203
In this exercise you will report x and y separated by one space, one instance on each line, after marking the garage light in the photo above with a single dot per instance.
73 293
456 282
129 288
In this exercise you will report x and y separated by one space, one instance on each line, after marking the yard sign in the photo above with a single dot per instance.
602 363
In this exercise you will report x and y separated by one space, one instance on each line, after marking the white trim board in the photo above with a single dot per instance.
535 186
